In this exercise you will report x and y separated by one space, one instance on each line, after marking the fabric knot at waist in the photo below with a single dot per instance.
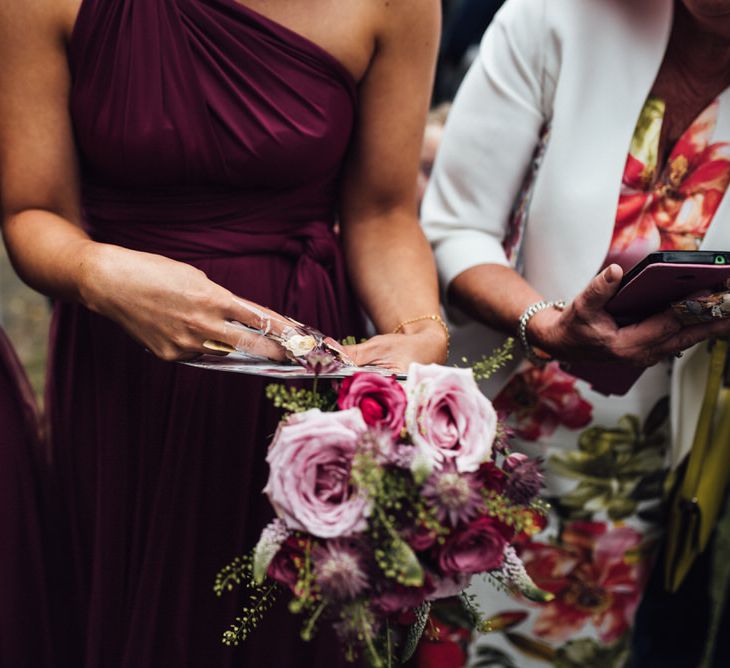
199 223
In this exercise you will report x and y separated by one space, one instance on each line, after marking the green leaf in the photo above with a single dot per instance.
533 648
416 630
491 657
411 572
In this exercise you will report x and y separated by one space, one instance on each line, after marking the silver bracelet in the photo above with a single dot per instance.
531 310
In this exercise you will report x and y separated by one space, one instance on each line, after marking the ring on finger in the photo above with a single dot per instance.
218 346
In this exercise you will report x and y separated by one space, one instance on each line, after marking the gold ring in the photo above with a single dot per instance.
218 346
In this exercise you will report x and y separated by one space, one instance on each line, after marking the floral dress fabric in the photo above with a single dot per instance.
605 458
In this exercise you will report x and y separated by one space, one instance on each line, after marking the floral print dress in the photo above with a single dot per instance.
604 458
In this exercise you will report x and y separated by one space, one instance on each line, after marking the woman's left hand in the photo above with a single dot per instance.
397 351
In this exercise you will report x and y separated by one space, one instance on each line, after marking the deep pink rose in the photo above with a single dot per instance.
492 477
477 548
287 562
309 481
381 400
419 537
448 418
398 598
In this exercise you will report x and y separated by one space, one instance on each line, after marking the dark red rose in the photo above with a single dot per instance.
476 548
286 564
381 400
398 598
420 538
492 476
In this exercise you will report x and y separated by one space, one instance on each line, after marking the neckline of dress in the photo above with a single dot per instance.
271 24
290 33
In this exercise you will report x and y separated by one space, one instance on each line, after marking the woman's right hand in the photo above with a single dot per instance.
170 307
585 331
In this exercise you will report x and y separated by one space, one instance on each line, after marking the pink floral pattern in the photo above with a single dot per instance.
669 209
595 576
539 399
592 558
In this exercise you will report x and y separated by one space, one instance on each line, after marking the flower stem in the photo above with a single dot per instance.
308 630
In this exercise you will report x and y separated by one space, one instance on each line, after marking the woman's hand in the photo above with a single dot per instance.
585 331
170 307
423 344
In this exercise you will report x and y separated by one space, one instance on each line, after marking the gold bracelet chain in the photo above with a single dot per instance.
420 318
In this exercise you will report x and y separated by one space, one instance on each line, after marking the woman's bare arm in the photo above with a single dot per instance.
170 307
389 259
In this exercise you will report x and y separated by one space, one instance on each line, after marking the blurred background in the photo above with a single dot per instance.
25 316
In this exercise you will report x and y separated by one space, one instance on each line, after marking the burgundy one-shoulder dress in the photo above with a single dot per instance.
215 136
25 639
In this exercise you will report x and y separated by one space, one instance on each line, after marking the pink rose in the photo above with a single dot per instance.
381 400
309 481
398 598
448 418
449 586
477 548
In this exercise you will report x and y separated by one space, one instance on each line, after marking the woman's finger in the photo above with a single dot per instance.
599 291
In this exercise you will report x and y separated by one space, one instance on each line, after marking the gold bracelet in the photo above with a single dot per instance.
435 318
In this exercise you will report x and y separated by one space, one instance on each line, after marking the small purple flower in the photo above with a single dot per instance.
377 443
319 362
504 434
525 480
339 570
455 496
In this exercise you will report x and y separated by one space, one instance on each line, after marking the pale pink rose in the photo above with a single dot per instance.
448 418
309 481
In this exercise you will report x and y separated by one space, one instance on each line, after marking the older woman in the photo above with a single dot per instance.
162 161
613 118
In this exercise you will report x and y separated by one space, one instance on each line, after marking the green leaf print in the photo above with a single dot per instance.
585 652
616 468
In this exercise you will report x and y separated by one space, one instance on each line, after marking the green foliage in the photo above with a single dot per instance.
298 400
358 625
396 502
261 597
486 367
491 657
617 468
416 630
501 508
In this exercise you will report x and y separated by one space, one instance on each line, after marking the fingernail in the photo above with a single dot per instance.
610 273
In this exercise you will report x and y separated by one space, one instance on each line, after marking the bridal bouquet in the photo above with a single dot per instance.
387 497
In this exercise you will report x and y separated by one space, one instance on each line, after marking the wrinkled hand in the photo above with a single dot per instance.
397 351
585 331
170 307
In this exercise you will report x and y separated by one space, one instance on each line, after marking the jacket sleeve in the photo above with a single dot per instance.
489 140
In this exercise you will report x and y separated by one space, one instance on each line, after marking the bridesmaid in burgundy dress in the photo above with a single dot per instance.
159 157
25 640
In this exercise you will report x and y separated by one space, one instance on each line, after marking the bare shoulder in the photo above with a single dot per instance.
409 21
25 22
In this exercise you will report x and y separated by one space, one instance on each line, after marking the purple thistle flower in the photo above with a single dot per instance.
339 570
504 434
320 361
525 481
455 496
